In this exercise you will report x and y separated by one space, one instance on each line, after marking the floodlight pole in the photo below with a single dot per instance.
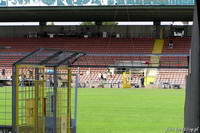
192 99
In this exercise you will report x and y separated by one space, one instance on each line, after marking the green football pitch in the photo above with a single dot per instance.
114 110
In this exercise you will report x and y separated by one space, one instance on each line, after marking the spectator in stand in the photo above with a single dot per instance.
171 44
3 72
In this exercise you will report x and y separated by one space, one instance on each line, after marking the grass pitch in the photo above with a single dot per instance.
114 110
129 110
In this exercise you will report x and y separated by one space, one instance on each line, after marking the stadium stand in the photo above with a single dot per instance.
172 77
97 45
181 45
100 45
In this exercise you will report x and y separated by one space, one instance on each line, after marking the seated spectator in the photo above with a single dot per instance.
170 45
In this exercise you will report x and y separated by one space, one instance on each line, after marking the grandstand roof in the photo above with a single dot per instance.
97 13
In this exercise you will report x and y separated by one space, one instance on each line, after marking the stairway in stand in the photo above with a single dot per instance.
157 49
154 61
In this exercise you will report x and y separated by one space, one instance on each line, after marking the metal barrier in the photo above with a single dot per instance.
41 95
42 98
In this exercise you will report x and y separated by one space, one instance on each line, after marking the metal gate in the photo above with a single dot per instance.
42 99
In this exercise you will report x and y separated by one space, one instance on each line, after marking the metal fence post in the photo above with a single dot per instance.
76 102
14 72
55 79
